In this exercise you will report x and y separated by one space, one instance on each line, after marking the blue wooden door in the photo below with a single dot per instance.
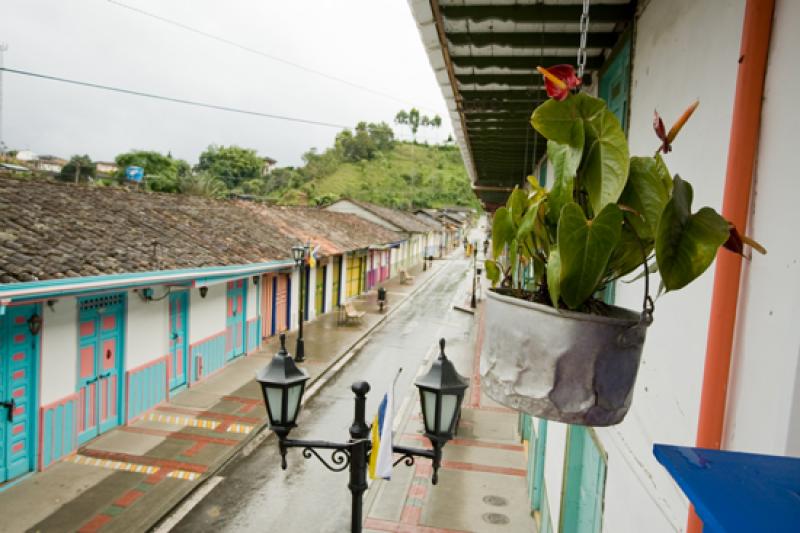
18 363
234 326
178 338
584 484
100 352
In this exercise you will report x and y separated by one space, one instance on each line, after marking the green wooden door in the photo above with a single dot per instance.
584 484
337 277
319 294
615 82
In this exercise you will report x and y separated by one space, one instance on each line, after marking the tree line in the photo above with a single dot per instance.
233 170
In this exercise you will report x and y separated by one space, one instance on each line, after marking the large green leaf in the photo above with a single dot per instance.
585 247
646 194
554 276
565 159
503 231
556 120
686 243
528 220
627 254
492 271
517 204
605 152
663 173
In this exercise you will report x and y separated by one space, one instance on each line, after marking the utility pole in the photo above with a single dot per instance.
3 48
77 171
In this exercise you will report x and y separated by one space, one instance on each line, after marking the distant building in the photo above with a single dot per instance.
26 155
106 167
49 163
269 164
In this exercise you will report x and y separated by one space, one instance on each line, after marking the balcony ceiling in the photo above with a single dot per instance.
484 54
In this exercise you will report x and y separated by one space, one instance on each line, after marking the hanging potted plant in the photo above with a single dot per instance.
554 349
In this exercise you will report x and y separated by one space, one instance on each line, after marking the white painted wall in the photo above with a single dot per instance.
207 315
668 74
146 328
311 288
554 465
295 292
764 394
640 495
329 283
59 363
252 310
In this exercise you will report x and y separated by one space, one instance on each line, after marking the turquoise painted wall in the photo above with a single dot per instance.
212 354
147 387
59 431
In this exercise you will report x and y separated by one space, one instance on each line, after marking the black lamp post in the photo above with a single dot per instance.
441 392
300 254
473 304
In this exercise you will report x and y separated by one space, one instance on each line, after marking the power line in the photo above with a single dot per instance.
261 53
172 99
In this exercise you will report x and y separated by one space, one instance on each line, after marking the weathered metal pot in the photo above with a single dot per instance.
570 367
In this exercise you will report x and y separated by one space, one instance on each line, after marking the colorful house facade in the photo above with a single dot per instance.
112 302
415 233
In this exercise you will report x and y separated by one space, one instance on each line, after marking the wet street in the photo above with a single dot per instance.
254 494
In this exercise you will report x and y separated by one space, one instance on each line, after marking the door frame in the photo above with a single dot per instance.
122 406
186 358
35 396
590 436
229 286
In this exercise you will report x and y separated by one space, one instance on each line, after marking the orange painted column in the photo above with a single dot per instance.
742 150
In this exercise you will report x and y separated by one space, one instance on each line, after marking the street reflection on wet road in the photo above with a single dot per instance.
256 495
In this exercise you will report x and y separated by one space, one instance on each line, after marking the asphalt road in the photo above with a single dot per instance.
256 495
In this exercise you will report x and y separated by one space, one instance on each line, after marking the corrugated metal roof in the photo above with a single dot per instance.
484 54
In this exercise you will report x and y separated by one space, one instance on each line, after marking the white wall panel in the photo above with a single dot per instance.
207 315
59 363
146 328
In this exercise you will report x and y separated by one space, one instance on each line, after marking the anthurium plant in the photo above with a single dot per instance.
606 214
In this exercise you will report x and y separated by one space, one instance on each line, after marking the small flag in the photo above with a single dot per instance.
380 459
313 256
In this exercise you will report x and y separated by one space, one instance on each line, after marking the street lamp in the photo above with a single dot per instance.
282 384
300 254
441 392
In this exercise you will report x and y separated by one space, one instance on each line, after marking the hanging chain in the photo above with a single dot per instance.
584 29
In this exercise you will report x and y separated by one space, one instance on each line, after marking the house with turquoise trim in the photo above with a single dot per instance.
415 234
720 366
112 301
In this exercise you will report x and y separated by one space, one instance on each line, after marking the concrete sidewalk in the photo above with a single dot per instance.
482 485
131 477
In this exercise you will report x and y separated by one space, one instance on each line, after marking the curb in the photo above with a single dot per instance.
261 432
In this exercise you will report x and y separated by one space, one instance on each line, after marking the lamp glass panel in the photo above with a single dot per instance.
449 404
429 409
293 401
275 400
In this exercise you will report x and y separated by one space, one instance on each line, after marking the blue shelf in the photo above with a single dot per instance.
734 491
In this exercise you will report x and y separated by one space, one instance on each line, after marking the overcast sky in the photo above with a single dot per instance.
373 43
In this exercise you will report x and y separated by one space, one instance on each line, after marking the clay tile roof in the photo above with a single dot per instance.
333 232
405 221
54 230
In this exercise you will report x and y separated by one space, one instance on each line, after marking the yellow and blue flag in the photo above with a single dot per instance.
313 257
381 456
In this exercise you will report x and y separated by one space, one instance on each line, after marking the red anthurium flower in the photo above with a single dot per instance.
559 80
661 133
667 138
736 242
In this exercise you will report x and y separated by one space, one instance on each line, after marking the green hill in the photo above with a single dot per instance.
403 176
